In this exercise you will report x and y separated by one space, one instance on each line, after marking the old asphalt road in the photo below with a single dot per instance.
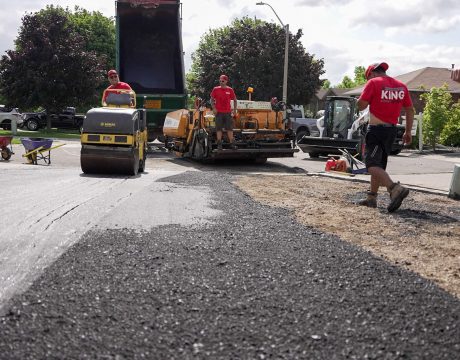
231 280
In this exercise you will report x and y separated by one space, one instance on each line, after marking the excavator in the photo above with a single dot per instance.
259 130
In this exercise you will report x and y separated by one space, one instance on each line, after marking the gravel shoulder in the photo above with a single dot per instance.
254 284
422 236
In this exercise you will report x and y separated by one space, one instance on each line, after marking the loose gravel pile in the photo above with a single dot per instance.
255 284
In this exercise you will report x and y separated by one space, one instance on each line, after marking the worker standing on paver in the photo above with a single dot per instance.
221 98
385 97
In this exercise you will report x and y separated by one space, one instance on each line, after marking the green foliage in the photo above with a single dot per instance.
360 79
326 84
98 32
435 114
43 133
450 134
59 60
346 83
251 53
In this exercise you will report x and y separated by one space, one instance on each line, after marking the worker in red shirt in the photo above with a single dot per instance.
223 101
385 97
115 83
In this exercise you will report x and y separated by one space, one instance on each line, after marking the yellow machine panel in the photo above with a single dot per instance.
175 124
259 132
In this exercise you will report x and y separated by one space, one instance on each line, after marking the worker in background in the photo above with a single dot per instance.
115 83
224 106
385 97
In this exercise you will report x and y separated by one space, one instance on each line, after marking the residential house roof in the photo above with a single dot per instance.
427 78
321 94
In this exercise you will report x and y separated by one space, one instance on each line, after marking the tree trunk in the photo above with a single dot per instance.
48 121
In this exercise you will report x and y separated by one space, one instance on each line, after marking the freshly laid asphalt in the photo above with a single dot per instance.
253 284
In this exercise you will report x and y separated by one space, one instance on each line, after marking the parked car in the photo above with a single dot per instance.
66 119
7 115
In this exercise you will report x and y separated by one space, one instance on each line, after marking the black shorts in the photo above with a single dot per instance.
379 140
224 121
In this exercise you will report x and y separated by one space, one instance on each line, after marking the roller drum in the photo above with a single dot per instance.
109 160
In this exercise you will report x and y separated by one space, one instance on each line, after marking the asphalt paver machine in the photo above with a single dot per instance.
259 130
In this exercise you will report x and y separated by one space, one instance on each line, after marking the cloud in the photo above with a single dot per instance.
416 15
341 59
226 3
319 3
10 20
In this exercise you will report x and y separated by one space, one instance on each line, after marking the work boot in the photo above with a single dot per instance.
233 145
397 194
370 200
219 145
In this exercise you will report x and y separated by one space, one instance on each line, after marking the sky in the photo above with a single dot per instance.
407 34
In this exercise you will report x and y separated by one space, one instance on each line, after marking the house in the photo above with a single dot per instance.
421 81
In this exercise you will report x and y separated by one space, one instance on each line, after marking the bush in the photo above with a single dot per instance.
436 113
450 135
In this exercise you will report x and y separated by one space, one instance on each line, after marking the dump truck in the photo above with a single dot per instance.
150 57
114 136
259 130
342 128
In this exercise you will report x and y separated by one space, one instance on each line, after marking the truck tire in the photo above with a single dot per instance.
299 135
6 124
32 124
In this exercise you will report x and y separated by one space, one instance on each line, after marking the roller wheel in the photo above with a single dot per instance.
260 161
6 153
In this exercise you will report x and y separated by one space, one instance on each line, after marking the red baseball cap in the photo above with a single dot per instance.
112 72
383 65
223 77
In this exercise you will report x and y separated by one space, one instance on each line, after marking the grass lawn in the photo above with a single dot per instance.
42 133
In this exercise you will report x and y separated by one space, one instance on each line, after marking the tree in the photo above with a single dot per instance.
98 32
346 83
50 67
360 77
436 113
450 134
326 84
251 53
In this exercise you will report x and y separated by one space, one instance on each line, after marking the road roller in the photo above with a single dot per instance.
114 136
259 130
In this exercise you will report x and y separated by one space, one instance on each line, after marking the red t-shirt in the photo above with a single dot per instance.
386 96
223 97
120 85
